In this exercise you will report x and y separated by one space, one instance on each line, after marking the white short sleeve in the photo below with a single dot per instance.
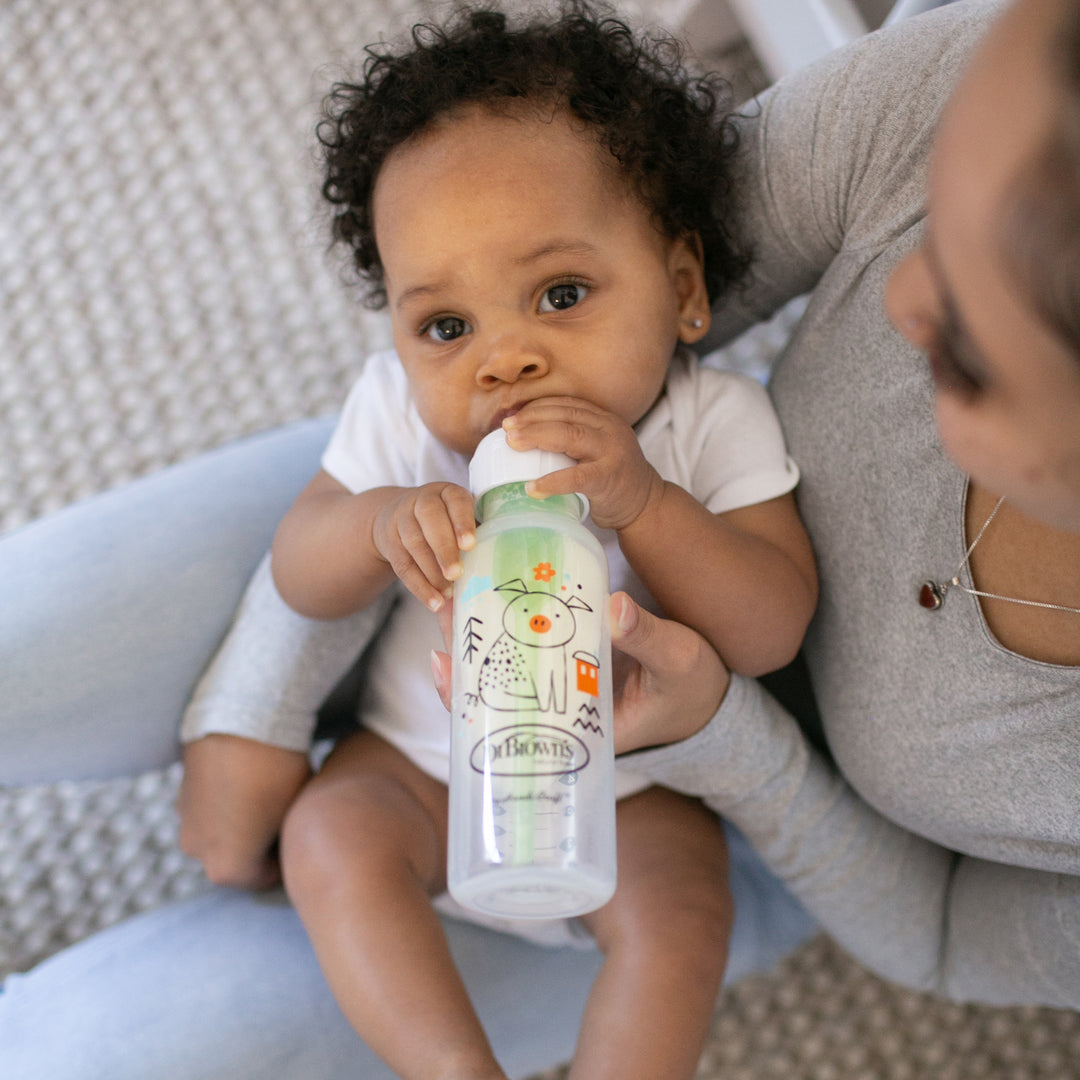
375 441
723 440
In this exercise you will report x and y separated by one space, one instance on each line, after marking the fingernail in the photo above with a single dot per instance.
436 669
452 573
467 542
626 615
435 603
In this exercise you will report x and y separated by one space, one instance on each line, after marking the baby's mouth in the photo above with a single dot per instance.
501 415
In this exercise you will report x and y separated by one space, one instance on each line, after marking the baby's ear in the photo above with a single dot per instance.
687 266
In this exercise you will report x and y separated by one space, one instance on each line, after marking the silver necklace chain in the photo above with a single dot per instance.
938 590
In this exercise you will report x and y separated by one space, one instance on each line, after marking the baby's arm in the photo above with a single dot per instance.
248 728
333 555
335 551
745 579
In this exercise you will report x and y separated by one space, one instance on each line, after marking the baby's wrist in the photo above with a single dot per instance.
649 510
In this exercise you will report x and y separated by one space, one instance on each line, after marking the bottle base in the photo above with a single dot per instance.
529 893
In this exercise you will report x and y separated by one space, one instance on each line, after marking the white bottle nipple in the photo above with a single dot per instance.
496 463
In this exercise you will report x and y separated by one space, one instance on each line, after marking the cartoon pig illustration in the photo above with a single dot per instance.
525 667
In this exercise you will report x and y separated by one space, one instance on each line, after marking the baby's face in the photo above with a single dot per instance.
518 266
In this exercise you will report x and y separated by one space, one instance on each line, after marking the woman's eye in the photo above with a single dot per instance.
949 372
448 329
561 297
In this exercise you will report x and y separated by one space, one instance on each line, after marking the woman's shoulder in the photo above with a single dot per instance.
917 61
858 127
834 158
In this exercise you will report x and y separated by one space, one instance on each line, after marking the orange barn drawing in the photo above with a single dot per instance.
588 673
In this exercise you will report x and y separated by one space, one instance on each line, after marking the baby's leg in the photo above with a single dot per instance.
362 850
664 936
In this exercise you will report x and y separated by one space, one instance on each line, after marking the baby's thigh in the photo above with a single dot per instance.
368 804
672 887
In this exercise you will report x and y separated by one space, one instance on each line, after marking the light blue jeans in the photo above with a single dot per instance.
109 611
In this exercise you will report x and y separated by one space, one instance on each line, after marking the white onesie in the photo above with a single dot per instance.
712 432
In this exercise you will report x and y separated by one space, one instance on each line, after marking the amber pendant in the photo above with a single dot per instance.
931 595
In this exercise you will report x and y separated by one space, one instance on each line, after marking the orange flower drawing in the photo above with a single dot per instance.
543 572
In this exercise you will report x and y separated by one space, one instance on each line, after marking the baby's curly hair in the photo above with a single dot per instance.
669 130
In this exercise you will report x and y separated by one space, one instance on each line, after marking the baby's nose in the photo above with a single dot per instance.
511 357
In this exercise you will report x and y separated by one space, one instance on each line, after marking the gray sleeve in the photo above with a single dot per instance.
834 156
910 910
275 668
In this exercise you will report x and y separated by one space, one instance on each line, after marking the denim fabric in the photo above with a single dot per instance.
109 611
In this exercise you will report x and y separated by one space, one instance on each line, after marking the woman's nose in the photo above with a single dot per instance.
909 299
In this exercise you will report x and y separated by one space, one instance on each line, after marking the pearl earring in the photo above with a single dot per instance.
697 324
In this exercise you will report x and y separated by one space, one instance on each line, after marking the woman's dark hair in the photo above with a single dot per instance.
1041 237
669 130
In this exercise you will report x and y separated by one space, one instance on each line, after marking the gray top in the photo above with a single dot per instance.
942 847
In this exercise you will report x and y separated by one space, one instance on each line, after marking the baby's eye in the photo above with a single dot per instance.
447 329
561 297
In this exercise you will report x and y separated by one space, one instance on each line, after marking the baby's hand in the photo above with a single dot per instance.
421 534
611 470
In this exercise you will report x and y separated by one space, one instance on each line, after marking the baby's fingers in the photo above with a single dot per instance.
424 546
561 425
461 507
416 566
445 517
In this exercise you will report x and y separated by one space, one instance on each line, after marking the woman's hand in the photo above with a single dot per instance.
669 681
673 682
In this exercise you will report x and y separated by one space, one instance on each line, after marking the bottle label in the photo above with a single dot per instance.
529 750
532 768
530 617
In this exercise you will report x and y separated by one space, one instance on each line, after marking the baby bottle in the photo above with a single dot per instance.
532 800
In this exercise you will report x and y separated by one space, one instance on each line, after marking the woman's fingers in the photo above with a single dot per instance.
675 681
674 684
440 662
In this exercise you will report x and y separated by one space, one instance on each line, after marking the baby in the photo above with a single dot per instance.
540 209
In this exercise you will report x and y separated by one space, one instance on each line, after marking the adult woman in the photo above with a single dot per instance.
953 714
839 207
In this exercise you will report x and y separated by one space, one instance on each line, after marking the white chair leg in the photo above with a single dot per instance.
789 34
905 9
